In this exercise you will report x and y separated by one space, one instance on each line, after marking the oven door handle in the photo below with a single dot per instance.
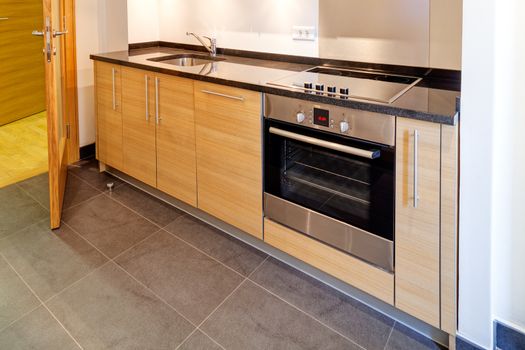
373 154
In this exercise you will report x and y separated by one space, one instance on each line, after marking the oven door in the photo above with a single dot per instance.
335 189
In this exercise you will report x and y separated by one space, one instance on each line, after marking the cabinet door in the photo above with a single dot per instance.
229 155
176 158
138 120
417 219
109 114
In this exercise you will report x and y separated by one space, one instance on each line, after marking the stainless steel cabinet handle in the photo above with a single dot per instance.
146 78
114 91
3 18
238 98
327 144
157 117
416 166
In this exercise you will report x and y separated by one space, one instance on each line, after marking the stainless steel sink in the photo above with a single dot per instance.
186 60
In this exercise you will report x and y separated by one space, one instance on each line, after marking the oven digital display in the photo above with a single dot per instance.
321 117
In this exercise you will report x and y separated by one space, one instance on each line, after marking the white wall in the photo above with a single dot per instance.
492 212
239 24
101 26
508 209
144 23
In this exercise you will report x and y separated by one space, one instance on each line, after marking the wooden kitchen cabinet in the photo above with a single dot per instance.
108 95
176 158
229 155
417 239
139 125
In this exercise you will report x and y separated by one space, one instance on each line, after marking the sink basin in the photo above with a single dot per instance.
187 60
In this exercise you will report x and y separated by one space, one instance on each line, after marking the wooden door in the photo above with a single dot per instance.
176 158
417 240
54 59
229 155
139 118
22 82
108 90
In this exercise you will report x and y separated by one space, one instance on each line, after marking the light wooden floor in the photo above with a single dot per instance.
23 149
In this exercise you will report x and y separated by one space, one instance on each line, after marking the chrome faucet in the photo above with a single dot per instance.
212 48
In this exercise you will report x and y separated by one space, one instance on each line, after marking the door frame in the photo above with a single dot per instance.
69 72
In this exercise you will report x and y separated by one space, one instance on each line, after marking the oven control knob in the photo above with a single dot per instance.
344 126
301 117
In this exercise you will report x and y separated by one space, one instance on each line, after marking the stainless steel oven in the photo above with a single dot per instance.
329 174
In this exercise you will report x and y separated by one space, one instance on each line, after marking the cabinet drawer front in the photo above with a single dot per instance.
138 129
109 116
176 154
366 277
229 155
417 241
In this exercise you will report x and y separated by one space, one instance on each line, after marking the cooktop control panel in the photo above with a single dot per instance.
366 125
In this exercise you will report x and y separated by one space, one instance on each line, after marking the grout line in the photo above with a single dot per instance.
391 331
307 314
26 313
25 228
32 197
186 339
152 292
42 303
213 340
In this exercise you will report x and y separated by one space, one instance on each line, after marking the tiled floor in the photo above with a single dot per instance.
127 271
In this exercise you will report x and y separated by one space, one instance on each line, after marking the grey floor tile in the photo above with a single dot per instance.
188 280
37 330
108 225
199 341
15 298
38 188
49 261
18 210
148 206
77 191
230 251
110 310
88 171
356 321
254 319
403 338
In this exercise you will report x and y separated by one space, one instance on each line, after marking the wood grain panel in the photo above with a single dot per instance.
176 153
229 156
359 274
139 131
109 120
449 225
22 83
417 240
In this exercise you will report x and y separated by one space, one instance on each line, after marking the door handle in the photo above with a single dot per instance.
416 166
37 33
4 18
59 33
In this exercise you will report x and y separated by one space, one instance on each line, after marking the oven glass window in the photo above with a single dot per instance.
356 190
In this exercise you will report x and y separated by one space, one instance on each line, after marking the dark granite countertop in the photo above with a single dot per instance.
422 102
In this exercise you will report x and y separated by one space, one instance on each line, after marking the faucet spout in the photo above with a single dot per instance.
212 48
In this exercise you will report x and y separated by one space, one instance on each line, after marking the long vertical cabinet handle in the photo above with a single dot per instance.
157 117
146 81
114 90
416 166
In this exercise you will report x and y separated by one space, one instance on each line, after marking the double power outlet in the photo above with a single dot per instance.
303 33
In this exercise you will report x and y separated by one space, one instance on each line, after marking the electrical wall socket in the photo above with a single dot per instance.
304 33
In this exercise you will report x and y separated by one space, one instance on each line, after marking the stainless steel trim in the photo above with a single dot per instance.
146 78
363 125
416 165
326 144
114 93
357 242
238 98
157 116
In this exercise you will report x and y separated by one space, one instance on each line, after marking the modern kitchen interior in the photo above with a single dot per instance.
240 174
